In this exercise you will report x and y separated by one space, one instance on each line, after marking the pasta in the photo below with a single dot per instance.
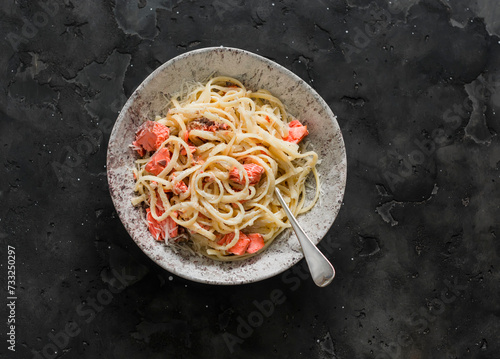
207 170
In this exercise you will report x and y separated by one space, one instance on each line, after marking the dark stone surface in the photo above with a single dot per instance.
415 86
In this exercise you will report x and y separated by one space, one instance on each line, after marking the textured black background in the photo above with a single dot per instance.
416 88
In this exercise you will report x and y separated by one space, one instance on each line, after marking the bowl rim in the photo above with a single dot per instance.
124 114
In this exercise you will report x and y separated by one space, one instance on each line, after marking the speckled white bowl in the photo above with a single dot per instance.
255 72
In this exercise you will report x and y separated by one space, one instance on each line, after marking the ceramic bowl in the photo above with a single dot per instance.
255 72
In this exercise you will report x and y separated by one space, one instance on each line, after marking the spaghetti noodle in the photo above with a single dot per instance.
208 169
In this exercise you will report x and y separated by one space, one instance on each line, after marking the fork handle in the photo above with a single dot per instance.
321 269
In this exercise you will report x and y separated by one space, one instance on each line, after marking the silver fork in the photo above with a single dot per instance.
321 269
